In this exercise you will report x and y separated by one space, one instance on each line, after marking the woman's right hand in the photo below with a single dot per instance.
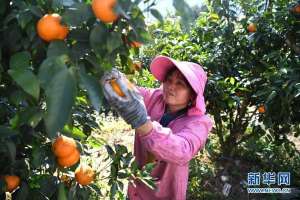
130 106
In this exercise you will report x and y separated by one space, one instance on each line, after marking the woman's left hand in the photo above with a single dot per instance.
131 106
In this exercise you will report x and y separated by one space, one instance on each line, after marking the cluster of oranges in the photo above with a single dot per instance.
65 150
67 154
49 27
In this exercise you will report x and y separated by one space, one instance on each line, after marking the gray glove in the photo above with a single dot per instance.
130 107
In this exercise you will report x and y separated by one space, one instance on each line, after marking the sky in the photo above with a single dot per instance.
166 6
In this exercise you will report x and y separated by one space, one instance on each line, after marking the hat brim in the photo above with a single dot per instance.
160 66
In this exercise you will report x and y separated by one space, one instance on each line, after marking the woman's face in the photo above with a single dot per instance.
176 92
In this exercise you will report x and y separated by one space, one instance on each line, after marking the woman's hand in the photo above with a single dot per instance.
130 106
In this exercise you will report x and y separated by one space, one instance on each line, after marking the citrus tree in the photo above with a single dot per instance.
52 55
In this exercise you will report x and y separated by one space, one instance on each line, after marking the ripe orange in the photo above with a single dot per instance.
297 9
63 146
104 10
261 109
251 28
84 174
69 160
12 182
116 87
135 44
49 28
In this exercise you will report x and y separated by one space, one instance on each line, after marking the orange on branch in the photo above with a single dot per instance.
251 28
104 10
12 182
49 28
261 109
84 174
69 160
63 146
297 9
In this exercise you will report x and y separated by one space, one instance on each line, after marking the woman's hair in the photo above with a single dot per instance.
172 71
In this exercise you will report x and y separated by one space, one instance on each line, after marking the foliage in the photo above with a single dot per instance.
51 87
245 71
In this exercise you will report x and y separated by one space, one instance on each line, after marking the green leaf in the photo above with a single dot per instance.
93 88
61 192
75 132
60 95
113 190
79 50
11 147
77 14
24 18
27 81
7 132
57 48
49 68
3 7
185 12
35 119
114 41
157 15
23 192
232 80
20 60
96 142
109 150
98 39
36 11
271 96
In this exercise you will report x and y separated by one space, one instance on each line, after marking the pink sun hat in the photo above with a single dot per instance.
193 73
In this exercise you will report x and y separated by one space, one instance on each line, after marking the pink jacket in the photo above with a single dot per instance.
173 148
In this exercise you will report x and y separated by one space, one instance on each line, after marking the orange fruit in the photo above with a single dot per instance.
69 160
297 9
49 28
84 174
104 10
251 28
135 44
261 109
116 87
12 182
63 146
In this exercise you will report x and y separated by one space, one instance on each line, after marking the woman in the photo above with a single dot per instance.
170 124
